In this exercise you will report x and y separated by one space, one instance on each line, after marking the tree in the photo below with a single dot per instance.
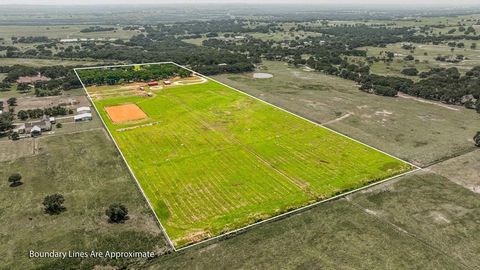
23 87
15 179
14 136
59 125
12 101
410 71
409 58
6 121
23 115
54 204
117 213
477 139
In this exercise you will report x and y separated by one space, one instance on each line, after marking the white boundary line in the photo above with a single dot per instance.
303 208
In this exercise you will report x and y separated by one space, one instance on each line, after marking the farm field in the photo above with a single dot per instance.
211 159
419 221
412 129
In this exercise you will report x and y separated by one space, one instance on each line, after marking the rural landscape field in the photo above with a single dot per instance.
212 160
221 135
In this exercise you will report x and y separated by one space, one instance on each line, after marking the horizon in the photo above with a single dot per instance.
339 3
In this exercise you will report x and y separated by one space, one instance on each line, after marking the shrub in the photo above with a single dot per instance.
117 213
15 179
410 72
54 204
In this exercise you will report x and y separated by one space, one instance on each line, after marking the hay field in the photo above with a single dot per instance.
211 159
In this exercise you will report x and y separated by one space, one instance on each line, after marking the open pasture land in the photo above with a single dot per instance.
425 54
86 169
211 159
412 129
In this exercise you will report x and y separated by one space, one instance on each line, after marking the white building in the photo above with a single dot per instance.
83 110
83 117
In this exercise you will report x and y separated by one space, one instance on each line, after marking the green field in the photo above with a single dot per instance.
214 160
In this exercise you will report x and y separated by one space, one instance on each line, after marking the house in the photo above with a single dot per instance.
82 117
81 110
37 127
152 83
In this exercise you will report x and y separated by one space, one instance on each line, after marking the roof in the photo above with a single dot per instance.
81 109
83 115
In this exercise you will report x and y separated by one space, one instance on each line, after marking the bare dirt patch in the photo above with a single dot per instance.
125 113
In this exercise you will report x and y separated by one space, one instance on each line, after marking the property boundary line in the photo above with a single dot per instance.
128 166
277 217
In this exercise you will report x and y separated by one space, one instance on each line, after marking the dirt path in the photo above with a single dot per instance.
428 102
339 119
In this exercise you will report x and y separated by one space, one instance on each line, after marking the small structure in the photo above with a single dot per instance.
152 83
167 82
81 110
32 128
35 131
52 120
83 117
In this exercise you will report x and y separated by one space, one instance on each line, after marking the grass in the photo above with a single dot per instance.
88 171
410 129
393 226
426 54
463 170
34 62
62 31
216 160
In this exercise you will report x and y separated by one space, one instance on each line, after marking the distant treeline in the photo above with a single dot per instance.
144 73
97 29
37 39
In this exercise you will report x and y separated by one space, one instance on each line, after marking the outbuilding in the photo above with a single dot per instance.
85 109
83 117
35 131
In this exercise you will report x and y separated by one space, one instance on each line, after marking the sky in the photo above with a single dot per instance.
328 2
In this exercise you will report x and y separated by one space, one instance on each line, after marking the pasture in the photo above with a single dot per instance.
211 159
86 169
425 54
420 131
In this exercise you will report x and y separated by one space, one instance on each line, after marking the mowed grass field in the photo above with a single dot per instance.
211 159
